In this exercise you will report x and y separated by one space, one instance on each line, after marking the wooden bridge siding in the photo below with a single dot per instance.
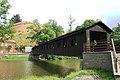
64 47
35 50
64 51
69 50
75 50
97 28
51 50
81 39
59 50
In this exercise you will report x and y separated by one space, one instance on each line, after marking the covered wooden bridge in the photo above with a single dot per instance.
92 44
91 38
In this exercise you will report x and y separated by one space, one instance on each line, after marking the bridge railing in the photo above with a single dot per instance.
99 45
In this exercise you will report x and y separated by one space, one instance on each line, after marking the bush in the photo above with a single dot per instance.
54 57
8 47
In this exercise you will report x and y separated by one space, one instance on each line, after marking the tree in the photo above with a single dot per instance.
41 33
35 31
116 35
6 30
22 41
45 32
71 23
87 23
16 18
4 7
58 29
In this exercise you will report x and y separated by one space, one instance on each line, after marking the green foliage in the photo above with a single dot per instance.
8 47
12 58
58 29
54 57
45 32
4 7
40 33
35 31
100 73
116 35
0 47
6 30
87 23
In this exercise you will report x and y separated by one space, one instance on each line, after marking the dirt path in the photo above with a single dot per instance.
87 77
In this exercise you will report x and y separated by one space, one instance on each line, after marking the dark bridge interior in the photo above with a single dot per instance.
94 35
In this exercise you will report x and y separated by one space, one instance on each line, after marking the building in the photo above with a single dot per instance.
10 44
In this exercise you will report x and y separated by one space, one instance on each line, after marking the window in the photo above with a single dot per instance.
46 46
73 42
53 45
49 46
58 44
64 43
42 47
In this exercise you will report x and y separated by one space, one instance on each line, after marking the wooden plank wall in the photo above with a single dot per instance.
69 46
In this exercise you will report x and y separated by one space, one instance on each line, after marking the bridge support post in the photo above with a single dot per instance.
88 40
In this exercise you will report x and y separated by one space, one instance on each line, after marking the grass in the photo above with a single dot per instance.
8 58
41 78
102 75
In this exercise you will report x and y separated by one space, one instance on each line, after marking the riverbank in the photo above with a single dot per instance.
59 68
90 74
10 58
14 56
24 56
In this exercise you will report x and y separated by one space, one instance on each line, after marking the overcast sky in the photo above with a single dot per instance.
43 10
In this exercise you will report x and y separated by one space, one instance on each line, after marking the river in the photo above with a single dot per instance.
12 70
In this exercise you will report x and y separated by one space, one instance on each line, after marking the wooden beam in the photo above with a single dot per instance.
88 39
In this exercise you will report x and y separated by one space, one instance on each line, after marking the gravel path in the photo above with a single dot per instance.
87 77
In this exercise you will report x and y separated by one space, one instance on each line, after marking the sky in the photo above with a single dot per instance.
43 10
